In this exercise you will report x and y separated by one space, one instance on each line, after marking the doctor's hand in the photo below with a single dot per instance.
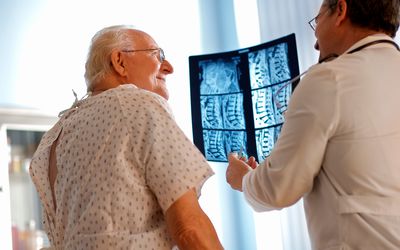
252 162
237 168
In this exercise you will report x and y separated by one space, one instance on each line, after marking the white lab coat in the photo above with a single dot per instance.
340 149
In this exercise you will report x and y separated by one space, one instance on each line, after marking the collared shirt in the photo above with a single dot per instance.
122 161
340 149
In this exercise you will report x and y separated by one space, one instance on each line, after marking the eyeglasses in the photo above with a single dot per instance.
313 22
161 55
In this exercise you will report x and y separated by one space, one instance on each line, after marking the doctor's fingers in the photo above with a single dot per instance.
252 162
236 163
235 171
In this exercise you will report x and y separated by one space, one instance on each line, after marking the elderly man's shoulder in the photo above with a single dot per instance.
128 95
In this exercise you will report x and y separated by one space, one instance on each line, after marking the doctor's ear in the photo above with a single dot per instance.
118 62
341 12
342 7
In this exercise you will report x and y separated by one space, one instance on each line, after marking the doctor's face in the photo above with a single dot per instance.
324 31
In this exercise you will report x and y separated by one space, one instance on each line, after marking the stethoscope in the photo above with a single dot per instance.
331 57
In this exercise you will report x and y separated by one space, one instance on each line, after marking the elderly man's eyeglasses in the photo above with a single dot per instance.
313 22
161 55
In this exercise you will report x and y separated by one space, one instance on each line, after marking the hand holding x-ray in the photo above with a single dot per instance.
237 168
251 161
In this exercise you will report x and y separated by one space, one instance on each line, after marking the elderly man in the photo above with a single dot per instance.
116 172
339 147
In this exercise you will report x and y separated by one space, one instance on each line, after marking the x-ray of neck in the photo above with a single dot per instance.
238 98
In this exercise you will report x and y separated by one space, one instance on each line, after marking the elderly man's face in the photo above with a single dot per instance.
145 69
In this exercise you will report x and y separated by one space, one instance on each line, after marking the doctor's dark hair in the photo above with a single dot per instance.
378 15
98 62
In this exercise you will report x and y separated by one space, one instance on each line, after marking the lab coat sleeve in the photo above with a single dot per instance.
288 172
250 194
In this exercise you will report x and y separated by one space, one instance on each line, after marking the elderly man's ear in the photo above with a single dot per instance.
118 63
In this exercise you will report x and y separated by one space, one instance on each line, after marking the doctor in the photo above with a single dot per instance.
339 148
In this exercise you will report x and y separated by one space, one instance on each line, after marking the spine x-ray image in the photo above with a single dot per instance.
239 98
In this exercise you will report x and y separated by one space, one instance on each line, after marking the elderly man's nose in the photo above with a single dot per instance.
167 67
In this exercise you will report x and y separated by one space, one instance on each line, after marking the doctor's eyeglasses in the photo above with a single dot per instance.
313 22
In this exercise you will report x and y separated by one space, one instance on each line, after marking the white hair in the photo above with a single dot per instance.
98 62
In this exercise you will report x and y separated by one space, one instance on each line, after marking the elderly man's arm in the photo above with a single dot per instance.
189 226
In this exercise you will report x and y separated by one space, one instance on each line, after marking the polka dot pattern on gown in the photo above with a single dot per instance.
122 161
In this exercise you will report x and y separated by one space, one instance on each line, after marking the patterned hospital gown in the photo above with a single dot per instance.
122 161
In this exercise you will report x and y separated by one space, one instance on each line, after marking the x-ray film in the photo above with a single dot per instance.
239 97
